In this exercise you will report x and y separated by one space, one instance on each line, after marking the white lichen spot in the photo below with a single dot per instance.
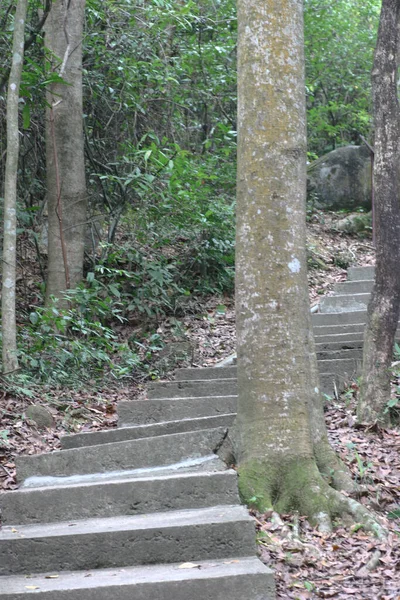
294 265
316 390
8 283
17 58
13 87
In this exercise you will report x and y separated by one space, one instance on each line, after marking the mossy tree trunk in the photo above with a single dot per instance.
383 309
279 439
65 162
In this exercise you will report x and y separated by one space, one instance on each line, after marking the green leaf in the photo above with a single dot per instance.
34 318
26 116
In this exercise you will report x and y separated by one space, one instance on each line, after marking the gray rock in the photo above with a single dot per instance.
355 223
40 415
341 179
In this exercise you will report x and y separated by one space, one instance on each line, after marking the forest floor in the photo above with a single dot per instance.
349 563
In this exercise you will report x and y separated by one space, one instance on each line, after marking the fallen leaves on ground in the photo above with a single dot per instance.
309 565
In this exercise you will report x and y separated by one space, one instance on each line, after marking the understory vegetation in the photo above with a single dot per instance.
160 123
160 146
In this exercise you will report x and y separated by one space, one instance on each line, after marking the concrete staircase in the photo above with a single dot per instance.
119 514
339 329
143 512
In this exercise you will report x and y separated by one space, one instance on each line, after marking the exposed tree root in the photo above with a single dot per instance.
336 472
301 487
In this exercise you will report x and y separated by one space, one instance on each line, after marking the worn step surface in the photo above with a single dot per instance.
142 412
236 579
168 537
333 348
121 495
357 273
345 303
342 367
192 373
354 287
340 329
121 456
190 389
334 340
340 318
144 431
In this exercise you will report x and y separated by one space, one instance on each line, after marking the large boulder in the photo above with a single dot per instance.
341 179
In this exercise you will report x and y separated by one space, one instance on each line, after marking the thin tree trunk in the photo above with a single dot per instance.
279 437
66 185
383 309
9 327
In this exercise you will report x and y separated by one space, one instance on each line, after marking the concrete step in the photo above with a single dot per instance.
143 431
345 329
354 287
355 353
360 273
341 318
344 368
335 346
236 579
341 338
185 389
338 304
120 496
205 373
121 456
142 412
324 351
168 537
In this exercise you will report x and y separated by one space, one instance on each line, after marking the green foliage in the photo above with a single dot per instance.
339 43
363 467
394 514
160 140
71 346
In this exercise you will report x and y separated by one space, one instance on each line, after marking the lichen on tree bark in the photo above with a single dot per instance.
65 160
383 309
280 442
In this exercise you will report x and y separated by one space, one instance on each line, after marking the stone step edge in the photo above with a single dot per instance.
172 518
206 533
127 495
104 581
103 458
124 433
188 465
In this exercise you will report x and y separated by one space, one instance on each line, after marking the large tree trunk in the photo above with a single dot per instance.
66 186
383 309
8 315
280 439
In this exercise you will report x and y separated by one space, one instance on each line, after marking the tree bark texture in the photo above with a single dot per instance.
66 185
8 314
383 309
279 438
